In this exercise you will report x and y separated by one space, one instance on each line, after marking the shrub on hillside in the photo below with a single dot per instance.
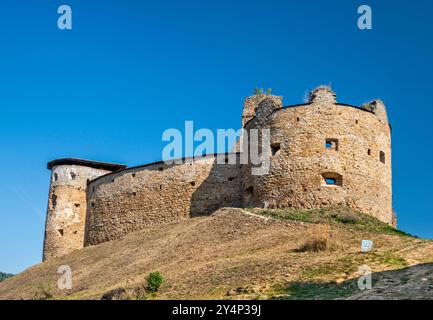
154 281
44 292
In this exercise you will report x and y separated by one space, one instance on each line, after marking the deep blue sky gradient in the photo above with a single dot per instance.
129 70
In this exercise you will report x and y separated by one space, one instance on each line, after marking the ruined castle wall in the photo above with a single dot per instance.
302 162
66 212
139 197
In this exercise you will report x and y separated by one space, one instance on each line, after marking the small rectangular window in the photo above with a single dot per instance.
331 144
382 157
332 179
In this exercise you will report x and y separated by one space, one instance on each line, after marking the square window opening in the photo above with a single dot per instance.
331 144
332 179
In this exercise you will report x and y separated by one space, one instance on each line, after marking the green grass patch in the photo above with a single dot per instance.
339 266
389 259
337 215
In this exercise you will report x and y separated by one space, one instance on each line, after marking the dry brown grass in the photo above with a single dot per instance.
206 257
320 238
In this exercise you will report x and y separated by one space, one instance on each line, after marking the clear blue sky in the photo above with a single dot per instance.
128 70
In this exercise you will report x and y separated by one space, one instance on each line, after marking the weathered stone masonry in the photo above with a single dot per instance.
67 207
321 153
132 199
322 141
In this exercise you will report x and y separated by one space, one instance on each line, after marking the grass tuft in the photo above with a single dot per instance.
319 239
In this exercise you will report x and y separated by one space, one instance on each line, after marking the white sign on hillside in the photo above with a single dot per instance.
366 245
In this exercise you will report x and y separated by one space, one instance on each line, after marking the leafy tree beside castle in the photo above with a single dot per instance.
4 276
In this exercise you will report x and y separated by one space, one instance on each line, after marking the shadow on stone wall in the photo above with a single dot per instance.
221 188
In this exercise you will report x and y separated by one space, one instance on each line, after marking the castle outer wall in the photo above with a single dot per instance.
140 197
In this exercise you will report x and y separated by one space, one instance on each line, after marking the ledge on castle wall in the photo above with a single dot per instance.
86 163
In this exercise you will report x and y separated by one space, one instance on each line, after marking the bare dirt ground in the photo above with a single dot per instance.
238 254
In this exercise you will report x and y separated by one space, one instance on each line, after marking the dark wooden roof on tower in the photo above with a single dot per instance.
86 163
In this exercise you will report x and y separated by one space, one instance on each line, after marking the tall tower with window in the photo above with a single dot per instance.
66 212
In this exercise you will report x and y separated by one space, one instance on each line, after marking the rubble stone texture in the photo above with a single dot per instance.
66 213
324 140
322 153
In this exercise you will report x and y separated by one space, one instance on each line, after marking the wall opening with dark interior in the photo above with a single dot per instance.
248 197
54 200
332 179
382 156
331 144
275 149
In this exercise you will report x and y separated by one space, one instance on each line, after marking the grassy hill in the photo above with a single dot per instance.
234 254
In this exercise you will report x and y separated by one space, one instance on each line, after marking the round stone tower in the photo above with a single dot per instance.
66 213
323 153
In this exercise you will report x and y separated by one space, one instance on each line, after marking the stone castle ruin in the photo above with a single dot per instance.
322 153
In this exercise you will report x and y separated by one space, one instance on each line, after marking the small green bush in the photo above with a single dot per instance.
258 91
154 281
